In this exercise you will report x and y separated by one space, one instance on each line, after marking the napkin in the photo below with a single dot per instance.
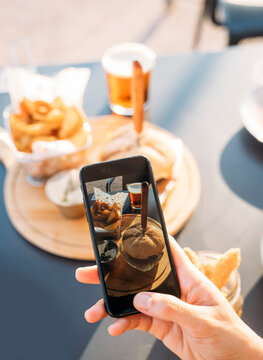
69 84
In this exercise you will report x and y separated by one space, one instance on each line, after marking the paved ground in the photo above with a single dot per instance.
77 30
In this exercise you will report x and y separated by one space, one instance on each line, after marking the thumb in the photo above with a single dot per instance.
164 307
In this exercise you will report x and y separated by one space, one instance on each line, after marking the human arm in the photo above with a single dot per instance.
200 325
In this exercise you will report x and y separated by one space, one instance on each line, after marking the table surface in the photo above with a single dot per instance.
196 97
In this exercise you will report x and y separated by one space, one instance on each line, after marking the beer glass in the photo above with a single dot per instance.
135 194
117 63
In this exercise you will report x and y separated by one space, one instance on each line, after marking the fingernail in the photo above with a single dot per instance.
143 301
111 329
77 270
86 314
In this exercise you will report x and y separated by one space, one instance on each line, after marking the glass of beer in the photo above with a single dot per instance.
117 63
135 194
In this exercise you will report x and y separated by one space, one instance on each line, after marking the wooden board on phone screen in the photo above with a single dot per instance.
123 279
41 223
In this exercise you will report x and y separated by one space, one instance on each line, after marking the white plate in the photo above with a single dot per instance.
252 113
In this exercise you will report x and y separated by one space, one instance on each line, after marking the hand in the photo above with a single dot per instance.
200 325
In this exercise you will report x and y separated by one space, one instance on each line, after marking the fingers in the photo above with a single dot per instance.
164 307
180 258
119 327
88 275
139 321
187 272
96 313
123 324
178 253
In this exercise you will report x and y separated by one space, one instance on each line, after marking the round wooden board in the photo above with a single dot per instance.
41 223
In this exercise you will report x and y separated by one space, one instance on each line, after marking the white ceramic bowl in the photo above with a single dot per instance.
57 190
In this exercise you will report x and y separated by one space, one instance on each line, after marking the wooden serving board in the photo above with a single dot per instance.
41 223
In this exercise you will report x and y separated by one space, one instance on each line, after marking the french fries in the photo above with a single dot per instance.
193 258
40 120
219 270
106 216
224 266
72 121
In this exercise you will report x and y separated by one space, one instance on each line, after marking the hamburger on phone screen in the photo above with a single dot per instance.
142 251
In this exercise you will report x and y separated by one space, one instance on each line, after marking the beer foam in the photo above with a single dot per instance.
118 59
134 189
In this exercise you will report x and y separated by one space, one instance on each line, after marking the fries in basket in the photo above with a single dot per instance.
107 213
217 270
46 121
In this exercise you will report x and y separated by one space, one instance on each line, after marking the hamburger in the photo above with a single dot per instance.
162 149
142 251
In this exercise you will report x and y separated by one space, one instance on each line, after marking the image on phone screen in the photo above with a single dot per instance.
133 255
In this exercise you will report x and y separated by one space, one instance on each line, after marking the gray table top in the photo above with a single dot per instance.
197 97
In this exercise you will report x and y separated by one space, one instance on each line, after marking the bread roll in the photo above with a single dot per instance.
157 146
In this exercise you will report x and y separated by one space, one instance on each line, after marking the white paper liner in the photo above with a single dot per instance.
118 198
69 84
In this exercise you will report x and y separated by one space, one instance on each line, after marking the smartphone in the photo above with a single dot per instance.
128 232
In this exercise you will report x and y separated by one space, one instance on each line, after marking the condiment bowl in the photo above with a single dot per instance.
108 251
63 190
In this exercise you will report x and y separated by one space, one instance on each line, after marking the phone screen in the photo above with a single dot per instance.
130 237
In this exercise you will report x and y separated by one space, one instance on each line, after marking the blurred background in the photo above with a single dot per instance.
68 31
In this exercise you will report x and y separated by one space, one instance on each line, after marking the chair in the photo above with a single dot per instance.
242 18
108 184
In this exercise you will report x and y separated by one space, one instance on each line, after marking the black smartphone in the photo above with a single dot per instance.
128 231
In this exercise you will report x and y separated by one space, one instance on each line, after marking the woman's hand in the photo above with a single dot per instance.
200 325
